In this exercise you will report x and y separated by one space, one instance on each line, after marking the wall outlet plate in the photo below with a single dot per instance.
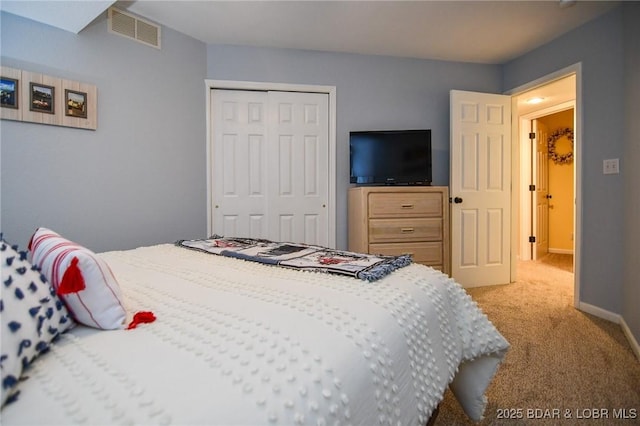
611 166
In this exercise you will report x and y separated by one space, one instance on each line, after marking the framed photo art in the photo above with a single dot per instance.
41 98
75 103
33 97
9 92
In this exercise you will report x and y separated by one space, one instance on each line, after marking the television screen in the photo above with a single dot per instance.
390 157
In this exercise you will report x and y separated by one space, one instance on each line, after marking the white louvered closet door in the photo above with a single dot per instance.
270 165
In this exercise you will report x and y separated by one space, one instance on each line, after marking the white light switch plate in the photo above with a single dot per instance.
611 166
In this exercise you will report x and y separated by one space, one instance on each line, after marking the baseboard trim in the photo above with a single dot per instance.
630 337
599 312
560 251
615 318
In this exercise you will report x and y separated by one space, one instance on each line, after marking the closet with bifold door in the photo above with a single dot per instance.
270 165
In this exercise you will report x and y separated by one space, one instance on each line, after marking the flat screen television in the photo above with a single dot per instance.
390 157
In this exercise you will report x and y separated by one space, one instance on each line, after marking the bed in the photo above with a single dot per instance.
228 341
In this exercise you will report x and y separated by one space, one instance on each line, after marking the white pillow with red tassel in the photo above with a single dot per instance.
82 280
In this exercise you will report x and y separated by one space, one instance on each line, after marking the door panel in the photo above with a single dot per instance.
495 235
541 194
468 247
480 185
239 163
299 193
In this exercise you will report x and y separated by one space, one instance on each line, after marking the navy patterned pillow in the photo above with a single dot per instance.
32 316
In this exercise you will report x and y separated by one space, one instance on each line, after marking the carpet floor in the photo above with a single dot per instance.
564 366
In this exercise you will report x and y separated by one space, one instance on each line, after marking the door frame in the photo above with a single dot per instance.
281 87
575 69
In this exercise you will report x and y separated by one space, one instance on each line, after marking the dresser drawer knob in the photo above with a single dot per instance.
407 206
406 230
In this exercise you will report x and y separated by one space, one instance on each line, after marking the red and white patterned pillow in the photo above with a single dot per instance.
81 279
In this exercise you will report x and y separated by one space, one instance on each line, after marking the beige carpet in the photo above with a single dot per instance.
562 362
559 260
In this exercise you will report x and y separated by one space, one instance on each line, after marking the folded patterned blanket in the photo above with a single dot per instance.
300 256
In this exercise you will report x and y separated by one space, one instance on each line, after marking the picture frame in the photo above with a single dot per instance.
42 98
75 103
9 94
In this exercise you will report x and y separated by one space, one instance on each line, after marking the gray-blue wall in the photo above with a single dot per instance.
140 177
373 93
607 268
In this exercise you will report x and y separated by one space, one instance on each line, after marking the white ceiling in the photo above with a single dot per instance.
552 94
72 16
489 32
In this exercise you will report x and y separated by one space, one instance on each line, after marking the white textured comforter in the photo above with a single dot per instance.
237 342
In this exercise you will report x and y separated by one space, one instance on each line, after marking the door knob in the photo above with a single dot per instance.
549 196
457 200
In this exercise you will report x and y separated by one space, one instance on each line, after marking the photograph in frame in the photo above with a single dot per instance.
41 98
75 103
9 92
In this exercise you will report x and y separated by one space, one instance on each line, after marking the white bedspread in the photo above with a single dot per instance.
239 343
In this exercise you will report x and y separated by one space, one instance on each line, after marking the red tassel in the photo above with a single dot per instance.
72 280
141 318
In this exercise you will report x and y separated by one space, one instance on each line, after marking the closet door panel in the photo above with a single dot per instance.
299 190
239 163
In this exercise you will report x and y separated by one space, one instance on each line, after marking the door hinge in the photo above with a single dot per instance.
532 187
532 135
532 239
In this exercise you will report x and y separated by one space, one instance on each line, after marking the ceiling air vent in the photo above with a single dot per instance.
130 26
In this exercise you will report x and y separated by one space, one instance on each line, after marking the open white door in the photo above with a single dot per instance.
541 193
480 188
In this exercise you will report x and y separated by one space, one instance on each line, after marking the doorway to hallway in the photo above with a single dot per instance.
558 111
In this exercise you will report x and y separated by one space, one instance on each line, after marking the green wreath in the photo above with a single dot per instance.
564 158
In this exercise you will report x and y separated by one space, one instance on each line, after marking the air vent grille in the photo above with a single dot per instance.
147 33
132 27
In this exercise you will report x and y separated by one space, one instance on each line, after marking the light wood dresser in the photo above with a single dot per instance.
391 220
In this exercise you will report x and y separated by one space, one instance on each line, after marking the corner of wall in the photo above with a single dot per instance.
635 346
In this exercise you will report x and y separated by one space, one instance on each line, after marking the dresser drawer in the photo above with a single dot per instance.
405 204
404 230
426 253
